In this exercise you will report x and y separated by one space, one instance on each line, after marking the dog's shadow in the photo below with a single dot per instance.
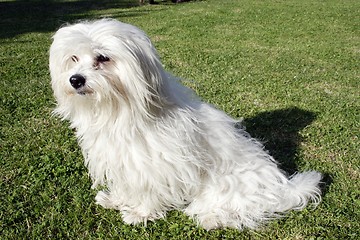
279 131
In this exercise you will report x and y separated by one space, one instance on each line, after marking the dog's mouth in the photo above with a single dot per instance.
80 92
84 91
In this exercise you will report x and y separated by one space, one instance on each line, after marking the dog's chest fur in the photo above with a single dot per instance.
143 161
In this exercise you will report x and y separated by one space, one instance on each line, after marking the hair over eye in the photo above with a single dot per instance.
101 58
74 58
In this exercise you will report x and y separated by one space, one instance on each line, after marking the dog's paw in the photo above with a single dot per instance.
214 218
209 222
103 199
136 216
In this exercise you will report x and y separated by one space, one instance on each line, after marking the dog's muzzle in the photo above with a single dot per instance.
77 81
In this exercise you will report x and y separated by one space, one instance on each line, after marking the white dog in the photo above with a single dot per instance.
153 145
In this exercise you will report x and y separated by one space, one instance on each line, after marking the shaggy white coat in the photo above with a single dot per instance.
154 145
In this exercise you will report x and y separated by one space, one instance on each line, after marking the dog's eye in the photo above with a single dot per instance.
74 58
102 58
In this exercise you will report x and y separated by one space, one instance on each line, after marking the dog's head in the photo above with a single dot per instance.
104 63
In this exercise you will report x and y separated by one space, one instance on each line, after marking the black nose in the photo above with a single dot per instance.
77 81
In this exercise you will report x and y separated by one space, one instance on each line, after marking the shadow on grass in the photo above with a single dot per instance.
280 131
19 17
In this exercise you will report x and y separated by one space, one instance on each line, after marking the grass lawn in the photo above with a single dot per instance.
289 68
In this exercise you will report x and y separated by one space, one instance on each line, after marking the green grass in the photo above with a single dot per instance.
290 68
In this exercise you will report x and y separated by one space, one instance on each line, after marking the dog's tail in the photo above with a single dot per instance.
303 188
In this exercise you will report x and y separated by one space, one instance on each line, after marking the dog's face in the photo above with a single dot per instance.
105 62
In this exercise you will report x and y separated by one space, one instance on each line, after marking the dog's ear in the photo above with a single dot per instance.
155 78
146 75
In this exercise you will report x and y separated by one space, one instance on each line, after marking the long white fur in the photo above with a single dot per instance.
154 145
